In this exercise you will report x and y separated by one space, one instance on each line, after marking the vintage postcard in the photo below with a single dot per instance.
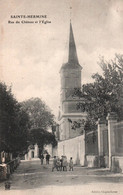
61 97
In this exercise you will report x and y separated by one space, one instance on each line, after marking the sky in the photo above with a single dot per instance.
31 54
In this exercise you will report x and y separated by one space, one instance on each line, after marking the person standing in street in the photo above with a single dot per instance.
42 159
58 164
61 161
47 159
54 163
71 164
64 163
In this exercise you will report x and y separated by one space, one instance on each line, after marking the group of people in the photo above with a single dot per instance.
61 164
47 157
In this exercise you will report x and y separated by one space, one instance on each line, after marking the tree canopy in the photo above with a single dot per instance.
41 137
39 113
13 123
40 118
105 94
23 123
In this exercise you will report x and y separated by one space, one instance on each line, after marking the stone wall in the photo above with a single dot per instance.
51 150
117 164
65 126
110 143
75 148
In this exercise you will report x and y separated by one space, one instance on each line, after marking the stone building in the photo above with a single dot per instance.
102 147
70 117
33 152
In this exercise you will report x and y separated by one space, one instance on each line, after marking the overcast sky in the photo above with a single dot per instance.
31 54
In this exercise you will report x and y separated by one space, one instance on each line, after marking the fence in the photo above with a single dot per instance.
117 154
104 147
8 168
91 149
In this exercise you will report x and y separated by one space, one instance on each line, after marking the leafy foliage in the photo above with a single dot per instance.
24 123
40 118
41 137
13 123
39 114
105 94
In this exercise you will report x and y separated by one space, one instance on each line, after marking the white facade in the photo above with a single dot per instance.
74 148
32 153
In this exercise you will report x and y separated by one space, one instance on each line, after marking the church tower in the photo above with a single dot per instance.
70 74
71 71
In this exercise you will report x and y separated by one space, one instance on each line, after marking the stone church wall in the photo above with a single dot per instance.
74 148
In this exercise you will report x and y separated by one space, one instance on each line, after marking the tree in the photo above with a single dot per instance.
40 118
41 137
13 122
105 94
20 136
39 113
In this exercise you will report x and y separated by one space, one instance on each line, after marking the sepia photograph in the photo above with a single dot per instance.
61 97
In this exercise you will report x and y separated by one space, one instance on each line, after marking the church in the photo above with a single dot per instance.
71 132
102 147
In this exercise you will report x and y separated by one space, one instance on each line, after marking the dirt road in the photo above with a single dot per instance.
32 177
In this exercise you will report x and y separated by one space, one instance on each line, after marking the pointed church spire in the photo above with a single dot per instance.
72 56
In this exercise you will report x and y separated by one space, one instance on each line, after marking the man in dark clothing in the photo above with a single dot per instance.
61 161
42 158
47 159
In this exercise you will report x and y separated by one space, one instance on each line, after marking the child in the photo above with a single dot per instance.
58 164
65 163
71 164
54 164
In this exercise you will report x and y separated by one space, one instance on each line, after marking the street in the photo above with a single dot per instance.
32 177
